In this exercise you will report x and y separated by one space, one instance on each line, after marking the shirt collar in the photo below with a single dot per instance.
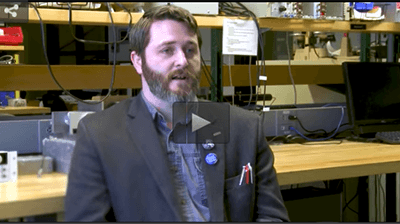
153 111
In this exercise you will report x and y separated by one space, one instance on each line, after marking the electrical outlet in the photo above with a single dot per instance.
284 123
285 129
286 114
285 117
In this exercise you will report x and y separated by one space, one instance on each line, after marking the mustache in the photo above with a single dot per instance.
181 72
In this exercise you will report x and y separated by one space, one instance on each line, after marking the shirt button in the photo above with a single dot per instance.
183 202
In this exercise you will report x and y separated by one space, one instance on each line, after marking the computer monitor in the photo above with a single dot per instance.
373 96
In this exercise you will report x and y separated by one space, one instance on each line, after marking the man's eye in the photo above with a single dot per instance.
190 50
166 51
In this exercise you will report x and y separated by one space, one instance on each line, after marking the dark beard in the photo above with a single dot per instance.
159 84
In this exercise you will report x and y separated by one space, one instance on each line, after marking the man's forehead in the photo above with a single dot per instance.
165 32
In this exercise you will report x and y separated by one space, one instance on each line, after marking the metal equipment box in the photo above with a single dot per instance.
277 122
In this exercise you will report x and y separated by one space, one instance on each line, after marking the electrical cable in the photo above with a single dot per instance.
229 69
290 69
305 129
315 51
384 197
231 10
230 80
73 40
376 200
251 86
208 76
48 62
348 204
273 100
321 139
335 104
265 93
95 41
271 140
4 60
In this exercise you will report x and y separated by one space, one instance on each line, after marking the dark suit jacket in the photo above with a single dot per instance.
119 170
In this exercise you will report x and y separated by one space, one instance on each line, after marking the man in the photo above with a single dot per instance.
125 165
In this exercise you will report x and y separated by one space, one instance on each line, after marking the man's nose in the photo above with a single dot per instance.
181 60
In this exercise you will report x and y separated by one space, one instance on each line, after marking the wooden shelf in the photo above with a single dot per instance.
11 48
101 18
278 24
37 77
85 17
24 110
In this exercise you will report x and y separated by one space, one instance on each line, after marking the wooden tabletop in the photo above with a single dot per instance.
31 195
294 163
302 163
24 110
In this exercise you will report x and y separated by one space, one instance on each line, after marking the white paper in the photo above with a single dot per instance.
239 37
262 77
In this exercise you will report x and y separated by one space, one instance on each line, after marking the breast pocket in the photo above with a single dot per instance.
239 199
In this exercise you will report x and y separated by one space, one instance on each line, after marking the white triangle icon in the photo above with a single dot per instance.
198 122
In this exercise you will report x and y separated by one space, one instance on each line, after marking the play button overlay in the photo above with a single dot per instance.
198 122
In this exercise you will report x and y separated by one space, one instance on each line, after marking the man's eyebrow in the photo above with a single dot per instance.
173 42
167 43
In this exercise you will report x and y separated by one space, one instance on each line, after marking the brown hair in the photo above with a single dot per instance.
139 35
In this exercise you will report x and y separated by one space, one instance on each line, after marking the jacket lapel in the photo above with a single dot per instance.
143 133
214 177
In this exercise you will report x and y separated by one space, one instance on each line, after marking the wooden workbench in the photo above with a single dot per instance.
28 110
31 195
318 161
294 164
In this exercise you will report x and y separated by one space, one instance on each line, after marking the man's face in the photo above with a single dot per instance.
171 63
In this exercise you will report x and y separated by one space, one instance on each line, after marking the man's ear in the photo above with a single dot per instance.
137 62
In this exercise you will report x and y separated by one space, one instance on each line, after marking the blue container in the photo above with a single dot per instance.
3 99
363 6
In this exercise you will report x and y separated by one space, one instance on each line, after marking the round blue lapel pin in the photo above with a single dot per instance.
208 145
211 158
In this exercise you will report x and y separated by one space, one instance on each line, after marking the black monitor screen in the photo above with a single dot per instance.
373 93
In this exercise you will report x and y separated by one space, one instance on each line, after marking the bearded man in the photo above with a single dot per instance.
126 165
